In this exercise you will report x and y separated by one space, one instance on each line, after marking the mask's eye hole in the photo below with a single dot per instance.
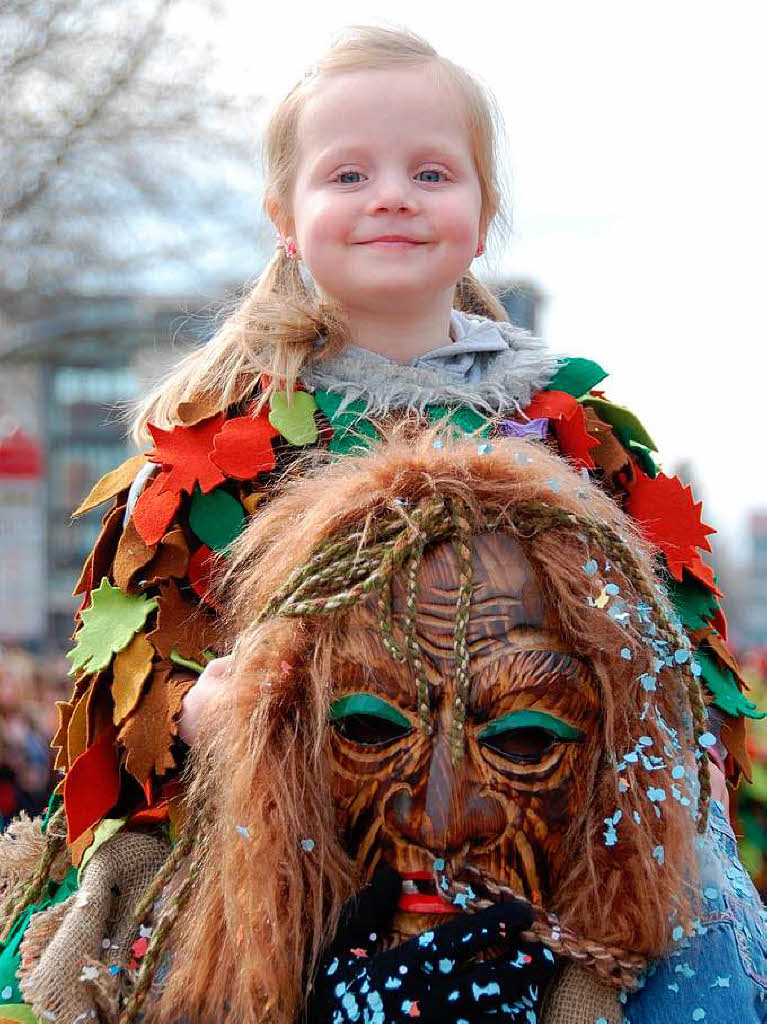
368 720
527 736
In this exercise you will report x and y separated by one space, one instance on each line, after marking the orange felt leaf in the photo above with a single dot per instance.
171 558
200 567
252 501
155 509
148 733
92 785
670 519
77 850
243 447
129 673
609 455
193 412
77 729
111 484
181 626
184 454
99 707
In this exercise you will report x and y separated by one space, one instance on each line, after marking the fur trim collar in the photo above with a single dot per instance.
491 367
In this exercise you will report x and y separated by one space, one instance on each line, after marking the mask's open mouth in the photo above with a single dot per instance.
420 895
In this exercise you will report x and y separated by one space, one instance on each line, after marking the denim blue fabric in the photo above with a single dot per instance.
719 975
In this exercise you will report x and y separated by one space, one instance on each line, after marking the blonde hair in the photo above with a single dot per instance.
274 328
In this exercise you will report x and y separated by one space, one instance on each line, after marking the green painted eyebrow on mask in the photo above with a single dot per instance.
530 720
366 704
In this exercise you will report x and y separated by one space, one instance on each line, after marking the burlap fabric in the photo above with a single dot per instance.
579 997
75 957
21 847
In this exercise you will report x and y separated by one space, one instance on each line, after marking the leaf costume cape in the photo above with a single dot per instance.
147 623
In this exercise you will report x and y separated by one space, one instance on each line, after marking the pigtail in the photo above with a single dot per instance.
471 296
272 331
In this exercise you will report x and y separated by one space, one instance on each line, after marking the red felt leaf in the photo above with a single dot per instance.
705 574
198 572
669 517
155 509
92 785
552 405
243 447
184 453
575 441
719 622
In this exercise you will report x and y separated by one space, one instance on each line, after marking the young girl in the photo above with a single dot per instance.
382 184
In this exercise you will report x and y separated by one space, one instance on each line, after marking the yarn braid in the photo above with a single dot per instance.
462 545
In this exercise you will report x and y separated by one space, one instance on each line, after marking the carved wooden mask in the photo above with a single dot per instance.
505 805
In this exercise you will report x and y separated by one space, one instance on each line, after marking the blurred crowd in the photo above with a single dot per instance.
30 687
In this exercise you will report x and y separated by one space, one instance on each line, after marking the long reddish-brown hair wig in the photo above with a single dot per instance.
272 874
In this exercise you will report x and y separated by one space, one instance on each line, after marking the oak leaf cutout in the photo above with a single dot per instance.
181 626
148 733
108 624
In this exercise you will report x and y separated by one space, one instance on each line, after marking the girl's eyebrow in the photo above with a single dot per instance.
348 152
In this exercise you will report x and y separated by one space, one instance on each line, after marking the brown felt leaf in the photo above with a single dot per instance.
148 733
734 739
252 501
198 409
171 558
99 706
181 626
129 672
101 557
108 486
133 553
77 730
611 457
59 741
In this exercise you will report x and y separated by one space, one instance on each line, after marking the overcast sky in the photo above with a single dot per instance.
636 149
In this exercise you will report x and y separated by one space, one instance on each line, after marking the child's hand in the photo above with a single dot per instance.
198 698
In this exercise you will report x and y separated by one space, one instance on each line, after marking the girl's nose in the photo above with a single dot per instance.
393 195
448 808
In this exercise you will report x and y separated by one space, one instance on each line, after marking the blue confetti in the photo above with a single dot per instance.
677 933
674 986
393 983
681 656
707 739
425 939
591 568
645 741
439 864
554 485
243 830
722 982
656 794
626 654
710 893
695 667
438 444
698 1013
446 965
484 449
307 845
648 681
677 772
461 900
659 854
491 989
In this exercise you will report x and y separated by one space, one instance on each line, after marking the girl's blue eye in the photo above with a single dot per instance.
434 179
527 736
348 174
366 719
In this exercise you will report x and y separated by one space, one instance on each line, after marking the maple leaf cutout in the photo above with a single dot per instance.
109 623
670 519
184 454
181 626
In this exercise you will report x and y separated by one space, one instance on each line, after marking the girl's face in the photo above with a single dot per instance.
387 203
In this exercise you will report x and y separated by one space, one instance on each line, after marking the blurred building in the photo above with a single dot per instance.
755 611
69 371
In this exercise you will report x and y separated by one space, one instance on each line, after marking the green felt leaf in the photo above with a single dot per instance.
642 454
576 377
621 419
189 663
109 623
216 517
295 421
695 604
721 682
462 420
351 428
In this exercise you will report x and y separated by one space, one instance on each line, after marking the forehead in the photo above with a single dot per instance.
384 108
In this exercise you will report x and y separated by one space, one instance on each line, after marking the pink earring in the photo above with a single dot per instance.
289 247
480 249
